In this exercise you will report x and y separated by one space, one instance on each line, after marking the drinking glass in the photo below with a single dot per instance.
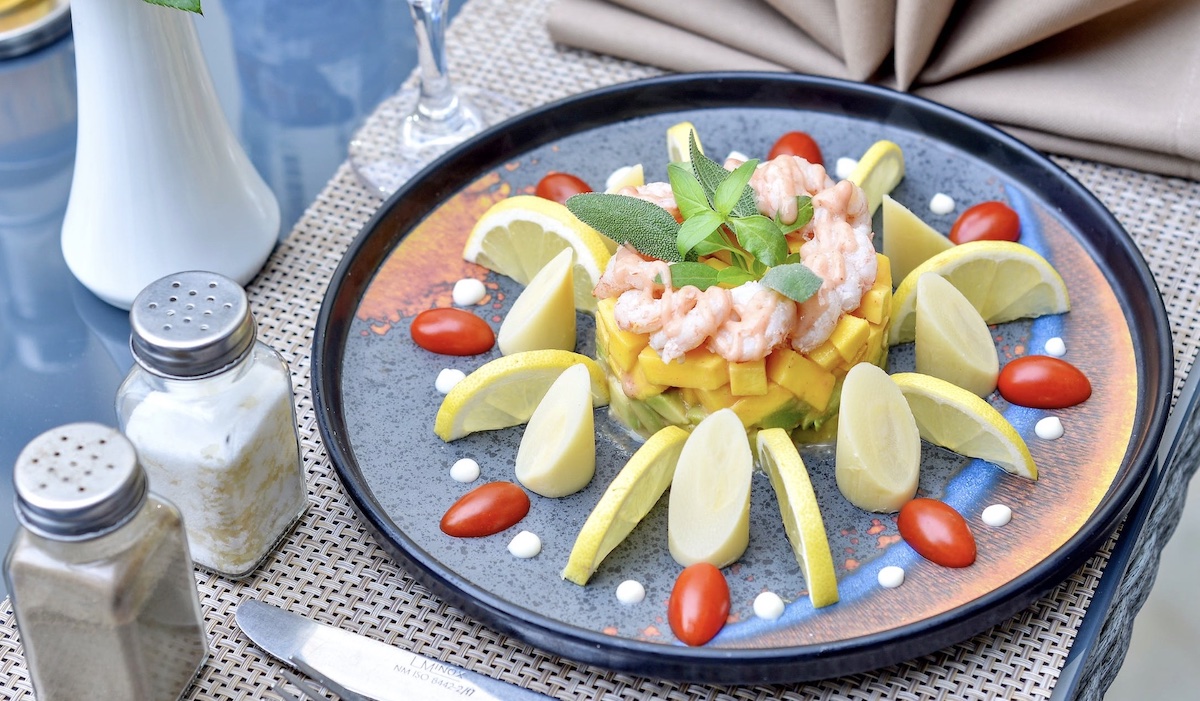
419 123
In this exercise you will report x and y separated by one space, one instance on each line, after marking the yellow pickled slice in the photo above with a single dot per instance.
907 240
953 342
878 446
543 316
557 455
709 512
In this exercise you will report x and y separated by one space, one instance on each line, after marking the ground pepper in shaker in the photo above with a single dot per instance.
101 582
209 409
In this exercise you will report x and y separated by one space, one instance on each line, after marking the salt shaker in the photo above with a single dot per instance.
209 409
99 573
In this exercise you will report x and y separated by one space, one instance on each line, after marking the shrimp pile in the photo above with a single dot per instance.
749 321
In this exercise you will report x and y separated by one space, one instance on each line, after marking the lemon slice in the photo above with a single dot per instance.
506 391
953 341
517 236
544 314
1003 281
959 421
801 516
708 516
878 172
557 455
629 497
628 176
907 240
878 455
677 142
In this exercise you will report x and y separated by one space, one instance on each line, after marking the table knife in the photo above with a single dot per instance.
367 666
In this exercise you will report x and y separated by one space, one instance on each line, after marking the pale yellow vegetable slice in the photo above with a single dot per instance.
953 342
907 240
801 515
629 497
878 454
557 455
708 519
543 316
953 418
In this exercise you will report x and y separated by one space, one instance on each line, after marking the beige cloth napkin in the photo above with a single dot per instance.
1116 81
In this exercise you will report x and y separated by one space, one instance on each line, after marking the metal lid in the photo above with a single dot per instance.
190 325
78 481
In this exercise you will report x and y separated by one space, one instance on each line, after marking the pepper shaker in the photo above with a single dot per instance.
209 409
99 573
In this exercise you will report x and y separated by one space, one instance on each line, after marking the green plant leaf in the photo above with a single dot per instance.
761 238
804 214
792 280
645 226
695 274
189 5
711 174
689 193
734 276
696 229
729 192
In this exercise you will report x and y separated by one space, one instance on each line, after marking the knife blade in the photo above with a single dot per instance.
367 666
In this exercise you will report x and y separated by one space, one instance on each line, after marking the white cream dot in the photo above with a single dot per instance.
1056 347
997 515
1049 428
447 378
468 291
464 470
768 605
525 545
891 577
737 155
845 166
631 592
941 203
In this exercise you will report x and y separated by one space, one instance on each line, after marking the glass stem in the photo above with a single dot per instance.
438 105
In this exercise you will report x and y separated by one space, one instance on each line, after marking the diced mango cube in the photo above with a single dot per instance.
801 376
849 336
748 379
636 385
716 399
622 347
752 410
873 303
883 270
700 369
826 355
875 343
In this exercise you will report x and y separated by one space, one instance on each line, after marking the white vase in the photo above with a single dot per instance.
161 184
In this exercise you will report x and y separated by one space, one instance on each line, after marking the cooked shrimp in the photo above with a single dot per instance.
655 193
761 320
778 182
639 311
629 270
689 317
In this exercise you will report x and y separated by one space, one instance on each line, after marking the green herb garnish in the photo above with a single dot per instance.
189 5
719 215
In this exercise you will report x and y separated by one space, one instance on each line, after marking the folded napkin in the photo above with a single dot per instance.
1116 81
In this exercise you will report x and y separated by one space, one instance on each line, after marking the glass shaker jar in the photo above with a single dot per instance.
209 409
99 573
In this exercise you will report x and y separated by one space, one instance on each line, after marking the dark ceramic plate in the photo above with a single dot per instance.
376 400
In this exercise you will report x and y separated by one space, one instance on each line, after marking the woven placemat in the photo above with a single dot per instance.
330 569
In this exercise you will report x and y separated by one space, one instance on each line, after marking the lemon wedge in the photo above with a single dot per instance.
907 240
506 391
953 341
708 517
557 455
955 419
878 172
801 516
1003 281
629 497
517 236
628 176
543 316
677 142
878 454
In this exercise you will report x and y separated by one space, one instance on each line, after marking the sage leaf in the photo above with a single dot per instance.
694 274
643 225
689 193
804 214
725 199
188 5
792 280
761 238
696 229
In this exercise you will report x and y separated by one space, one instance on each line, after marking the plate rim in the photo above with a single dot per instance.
743 665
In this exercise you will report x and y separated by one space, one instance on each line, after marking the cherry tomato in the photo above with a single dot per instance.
1043 382
560 186
986 221
452 331
699 603
937 532
797 143
485 510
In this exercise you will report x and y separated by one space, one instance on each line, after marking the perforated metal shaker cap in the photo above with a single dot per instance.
78 481
190 324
